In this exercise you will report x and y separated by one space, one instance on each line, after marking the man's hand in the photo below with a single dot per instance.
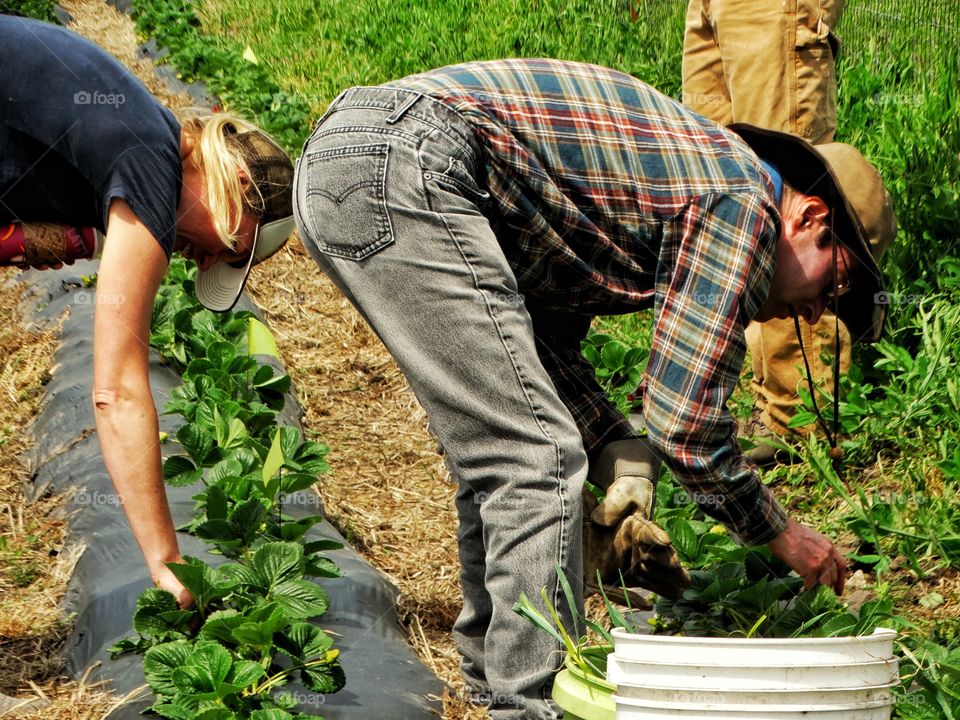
620 541
811 555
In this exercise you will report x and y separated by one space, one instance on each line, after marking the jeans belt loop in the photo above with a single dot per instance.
403 108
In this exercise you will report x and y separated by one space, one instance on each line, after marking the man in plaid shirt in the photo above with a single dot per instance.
480 215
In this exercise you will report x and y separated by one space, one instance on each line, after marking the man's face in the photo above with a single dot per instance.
803 281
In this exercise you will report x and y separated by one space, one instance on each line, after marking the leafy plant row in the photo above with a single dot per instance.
249 633
230 73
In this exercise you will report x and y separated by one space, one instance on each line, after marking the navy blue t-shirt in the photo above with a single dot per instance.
77 130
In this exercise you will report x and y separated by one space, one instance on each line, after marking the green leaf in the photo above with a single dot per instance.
216 503
247 518
175 710
211 663
198 443
218 531
121 647
260 340
612 354
159 663
802 418
158 615
274 459
324 678
217 714
526 609
228 467
178 471
682 536
293 530
300 599
271 714
292 482
315 546
220 625
239 574
205 583
245 673
303 641
221 353
251 633
278 560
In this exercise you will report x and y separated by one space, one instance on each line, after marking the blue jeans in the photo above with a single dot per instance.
389 205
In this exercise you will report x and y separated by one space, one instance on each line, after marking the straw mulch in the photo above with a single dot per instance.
34 564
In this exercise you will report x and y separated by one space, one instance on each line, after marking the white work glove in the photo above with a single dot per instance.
619 538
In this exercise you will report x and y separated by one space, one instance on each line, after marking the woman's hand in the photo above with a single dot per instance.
166 580
131 269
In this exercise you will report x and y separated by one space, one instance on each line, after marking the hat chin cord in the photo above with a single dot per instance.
836 452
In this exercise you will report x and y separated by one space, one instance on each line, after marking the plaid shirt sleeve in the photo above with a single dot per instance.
558 338
706 293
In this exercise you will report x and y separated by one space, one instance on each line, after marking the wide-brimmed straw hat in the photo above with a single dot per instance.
863 218
220 286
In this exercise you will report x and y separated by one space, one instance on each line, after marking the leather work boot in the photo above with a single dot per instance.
770 449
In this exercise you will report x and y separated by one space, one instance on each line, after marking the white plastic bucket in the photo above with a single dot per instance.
681 678
770 700
754 652
773 677
631 709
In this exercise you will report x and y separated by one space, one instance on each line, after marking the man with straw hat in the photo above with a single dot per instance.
480 215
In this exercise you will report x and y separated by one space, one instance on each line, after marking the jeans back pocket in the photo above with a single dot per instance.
346 200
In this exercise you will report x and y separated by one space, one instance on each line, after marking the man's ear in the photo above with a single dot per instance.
815 208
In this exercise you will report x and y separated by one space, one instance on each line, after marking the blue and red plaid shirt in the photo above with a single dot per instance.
609 197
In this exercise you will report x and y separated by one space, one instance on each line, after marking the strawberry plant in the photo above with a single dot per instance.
249 632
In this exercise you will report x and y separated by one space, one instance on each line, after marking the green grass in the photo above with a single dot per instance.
40 9
320 48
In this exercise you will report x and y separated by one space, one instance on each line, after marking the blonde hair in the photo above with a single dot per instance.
221 163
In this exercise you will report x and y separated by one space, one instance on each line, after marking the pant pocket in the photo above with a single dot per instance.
816 114
346 204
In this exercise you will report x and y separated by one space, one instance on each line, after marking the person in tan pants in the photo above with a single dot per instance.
771 64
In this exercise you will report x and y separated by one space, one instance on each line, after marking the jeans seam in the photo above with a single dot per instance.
565 523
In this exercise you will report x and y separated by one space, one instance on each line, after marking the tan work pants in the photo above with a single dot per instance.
771 64
778 365
765 62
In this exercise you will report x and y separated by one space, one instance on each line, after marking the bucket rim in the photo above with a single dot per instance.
879 635
621 660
